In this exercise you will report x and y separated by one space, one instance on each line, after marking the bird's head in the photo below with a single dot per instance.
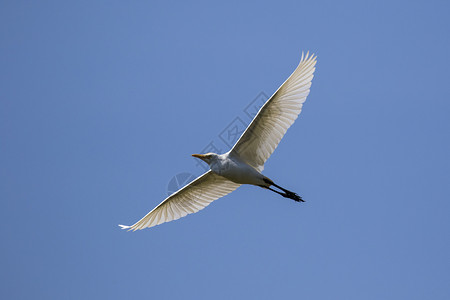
207 158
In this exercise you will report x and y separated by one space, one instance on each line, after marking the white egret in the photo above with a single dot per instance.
245 161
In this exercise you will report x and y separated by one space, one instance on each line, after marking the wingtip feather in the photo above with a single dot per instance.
124 226
308 56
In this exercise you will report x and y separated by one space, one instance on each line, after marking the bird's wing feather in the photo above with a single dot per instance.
274 118
189 199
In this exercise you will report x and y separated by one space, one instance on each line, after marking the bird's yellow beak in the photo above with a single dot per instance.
201 156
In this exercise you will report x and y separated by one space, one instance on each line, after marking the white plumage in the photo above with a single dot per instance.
244 162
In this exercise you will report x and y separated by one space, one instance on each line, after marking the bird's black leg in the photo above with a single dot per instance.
286 194
289 194
280 193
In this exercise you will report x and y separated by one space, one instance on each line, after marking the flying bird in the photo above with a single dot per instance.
244 163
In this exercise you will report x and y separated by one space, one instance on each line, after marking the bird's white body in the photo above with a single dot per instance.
244 163
231 166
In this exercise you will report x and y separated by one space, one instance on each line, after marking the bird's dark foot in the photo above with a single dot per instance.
293 196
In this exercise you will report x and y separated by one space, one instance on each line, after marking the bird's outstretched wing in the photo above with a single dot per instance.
189 199
274 118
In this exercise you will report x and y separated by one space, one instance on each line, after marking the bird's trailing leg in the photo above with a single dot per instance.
285 194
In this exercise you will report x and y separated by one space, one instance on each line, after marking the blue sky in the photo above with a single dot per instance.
102 103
